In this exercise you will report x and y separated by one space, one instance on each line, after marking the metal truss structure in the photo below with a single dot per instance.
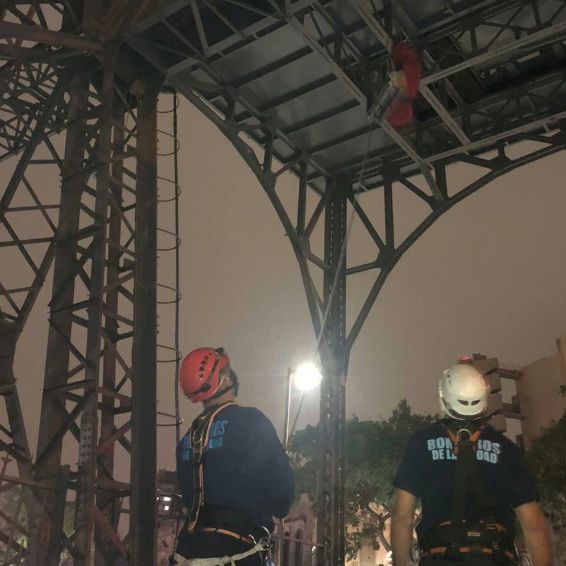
290 83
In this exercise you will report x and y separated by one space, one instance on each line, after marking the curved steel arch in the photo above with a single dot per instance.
556 143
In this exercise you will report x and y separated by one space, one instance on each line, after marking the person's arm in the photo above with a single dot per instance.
183 479
272 466
535 531
402 522
524 500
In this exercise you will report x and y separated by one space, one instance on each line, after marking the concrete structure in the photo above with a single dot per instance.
503 403
530 395
539 392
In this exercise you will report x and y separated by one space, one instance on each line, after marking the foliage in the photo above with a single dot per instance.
373 452
546 458
13 515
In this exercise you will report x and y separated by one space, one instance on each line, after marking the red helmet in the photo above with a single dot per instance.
199 376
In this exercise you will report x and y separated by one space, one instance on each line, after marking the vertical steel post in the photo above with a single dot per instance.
334 356
84 517
144 402
53 415
105 501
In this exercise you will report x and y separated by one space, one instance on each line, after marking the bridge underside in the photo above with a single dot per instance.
291 85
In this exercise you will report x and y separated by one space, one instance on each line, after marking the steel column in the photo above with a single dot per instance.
107 501
44 539
144 470
334 356
84 514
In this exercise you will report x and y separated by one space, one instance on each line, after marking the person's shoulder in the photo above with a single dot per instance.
184 438
431 430
418 440
250 414
491 433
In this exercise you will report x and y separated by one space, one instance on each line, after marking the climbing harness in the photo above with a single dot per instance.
483 535
221 560
262 546
199 435
452 541
467 474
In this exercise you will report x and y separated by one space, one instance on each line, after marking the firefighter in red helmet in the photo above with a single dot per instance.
233 473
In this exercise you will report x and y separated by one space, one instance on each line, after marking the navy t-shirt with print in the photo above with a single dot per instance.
427 471
246 468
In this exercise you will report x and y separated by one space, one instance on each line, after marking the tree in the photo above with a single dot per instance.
546 458
13 521
373 452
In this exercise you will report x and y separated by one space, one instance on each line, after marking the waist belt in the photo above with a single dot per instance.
218 561
448 551
246 539
229 522
481 538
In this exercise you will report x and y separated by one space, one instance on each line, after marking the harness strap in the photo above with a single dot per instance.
466 550
199 435
464 448
220 560
452 540
468 476
226 532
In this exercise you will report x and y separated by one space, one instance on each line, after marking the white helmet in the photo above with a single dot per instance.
463 392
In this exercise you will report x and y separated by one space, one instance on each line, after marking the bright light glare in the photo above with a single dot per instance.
307 376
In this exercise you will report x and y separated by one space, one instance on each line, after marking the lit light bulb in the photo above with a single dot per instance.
307 376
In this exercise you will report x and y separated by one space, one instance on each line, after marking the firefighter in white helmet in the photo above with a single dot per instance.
471 482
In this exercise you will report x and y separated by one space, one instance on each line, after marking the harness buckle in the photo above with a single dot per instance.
499 554
453 553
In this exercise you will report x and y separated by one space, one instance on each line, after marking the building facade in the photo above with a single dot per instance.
539 392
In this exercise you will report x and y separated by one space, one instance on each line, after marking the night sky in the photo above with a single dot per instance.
490 277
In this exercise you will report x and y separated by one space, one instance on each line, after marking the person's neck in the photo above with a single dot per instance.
226 398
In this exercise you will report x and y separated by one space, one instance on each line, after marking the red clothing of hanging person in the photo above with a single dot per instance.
408 79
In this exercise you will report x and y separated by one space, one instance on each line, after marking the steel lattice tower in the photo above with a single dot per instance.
291 84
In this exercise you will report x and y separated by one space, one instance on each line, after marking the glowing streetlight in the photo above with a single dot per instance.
306 377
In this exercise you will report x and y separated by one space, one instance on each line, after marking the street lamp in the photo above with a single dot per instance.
306 377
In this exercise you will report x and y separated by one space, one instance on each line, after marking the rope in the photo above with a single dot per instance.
177 266
344 247
221 560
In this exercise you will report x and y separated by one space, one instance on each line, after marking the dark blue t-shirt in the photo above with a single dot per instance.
245 467
427 471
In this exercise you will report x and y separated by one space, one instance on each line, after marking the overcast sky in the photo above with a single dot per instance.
490 277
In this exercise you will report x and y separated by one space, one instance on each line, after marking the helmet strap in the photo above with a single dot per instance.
471 425
234 384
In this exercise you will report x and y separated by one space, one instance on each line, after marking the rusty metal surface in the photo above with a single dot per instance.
78 88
